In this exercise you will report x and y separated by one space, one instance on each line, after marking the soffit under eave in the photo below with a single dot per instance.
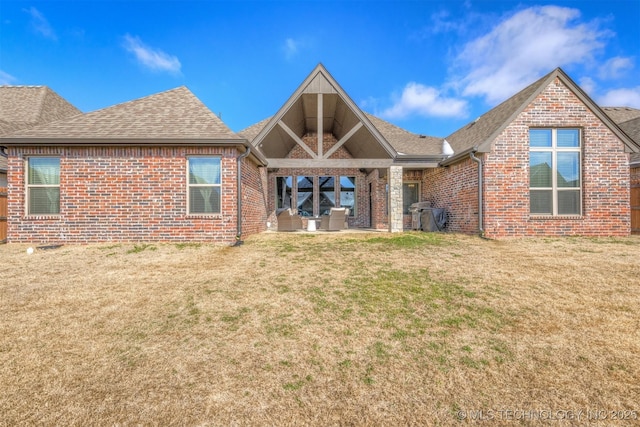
363 145
359 114
295 97
277 143
320 81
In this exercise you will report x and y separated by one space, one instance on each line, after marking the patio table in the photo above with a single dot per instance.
312 224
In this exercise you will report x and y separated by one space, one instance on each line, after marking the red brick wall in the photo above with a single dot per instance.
128 194
506 177
454 188
254 198
635 200
379 216
605 173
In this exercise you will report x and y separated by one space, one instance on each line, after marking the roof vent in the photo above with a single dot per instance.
422 136
446 148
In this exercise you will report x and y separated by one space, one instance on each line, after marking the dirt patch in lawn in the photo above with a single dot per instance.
322 329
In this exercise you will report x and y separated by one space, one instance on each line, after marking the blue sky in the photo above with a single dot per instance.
427 66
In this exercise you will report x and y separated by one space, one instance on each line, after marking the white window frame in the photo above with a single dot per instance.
190 186
30 186
554 150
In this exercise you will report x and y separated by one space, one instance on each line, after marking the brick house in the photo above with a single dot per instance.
23 107
629 121
162 167
547 161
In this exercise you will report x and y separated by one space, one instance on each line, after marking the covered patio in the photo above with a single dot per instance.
324 153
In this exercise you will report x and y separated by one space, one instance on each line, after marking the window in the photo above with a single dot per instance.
316 195
284 192
327 194
305 195
410 195
204 185
554 172
347 193
43 186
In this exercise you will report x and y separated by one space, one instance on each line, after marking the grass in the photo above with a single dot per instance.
324 329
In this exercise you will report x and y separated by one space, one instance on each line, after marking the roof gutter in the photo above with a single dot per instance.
480 208
115 140
419 157
130 142
459 156
416 161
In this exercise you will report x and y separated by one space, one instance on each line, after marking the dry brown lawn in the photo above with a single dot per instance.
323 329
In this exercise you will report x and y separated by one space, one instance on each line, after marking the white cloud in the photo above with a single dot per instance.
370 103
40 23
6 78
154 59
625 97
290 48
588 85
523 47
426 101
441 22
615 67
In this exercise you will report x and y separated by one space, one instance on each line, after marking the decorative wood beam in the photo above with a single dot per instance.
343 140
297 139
274 163
320 125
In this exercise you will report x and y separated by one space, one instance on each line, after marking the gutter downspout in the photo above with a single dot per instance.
239 201
480 210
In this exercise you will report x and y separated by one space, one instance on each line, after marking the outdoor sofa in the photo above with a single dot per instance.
289 221
336 220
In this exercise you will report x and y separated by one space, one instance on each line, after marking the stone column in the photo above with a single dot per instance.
395 199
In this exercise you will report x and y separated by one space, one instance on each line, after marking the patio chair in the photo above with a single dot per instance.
335 221
289 221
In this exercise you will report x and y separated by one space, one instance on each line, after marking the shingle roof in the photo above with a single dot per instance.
622 114
628 119
176 114
24 107
404 141
252 131
632 128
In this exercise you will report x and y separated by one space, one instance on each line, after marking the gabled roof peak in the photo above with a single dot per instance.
317 106
479 134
